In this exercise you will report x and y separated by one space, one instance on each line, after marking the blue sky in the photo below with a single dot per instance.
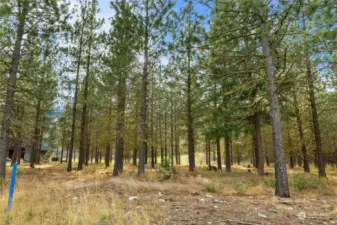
106 12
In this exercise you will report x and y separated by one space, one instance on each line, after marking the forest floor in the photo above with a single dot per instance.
50 195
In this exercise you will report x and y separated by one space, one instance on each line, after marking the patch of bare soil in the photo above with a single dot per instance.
174 203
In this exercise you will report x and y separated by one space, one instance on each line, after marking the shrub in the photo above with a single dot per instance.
271 183
211 188
241 188
305 182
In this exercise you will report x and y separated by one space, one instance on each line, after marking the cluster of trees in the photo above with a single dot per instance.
171 78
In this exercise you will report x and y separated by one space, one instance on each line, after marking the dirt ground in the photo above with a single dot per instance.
185 199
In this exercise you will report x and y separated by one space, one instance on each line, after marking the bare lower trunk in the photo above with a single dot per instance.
190 130
291 153
143 99
108 145
206 151
62 145
258 138
238 155
165 137
74 112
209 153
282 188
254 150
227 150
17 148
120 121
231 148
312 99
218 153
301 134
87 149
34 152
7 116
172 140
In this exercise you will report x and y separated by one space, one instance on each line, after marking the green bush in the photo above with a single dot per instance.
211 188
271 183
300 182
241 188
305 182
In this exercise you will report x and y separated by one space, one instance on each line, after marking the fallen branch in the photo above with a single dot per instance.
243 222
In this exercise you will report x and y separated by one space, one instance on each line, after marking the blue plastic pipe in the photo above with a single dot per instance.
11 187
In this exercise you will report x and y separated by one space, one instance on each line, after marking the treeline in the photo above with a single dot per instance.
171 78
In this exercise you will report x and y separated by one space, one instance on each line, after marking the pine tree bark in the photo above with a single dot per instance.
88 145
108 146
165 138
227 155
312 99
40 140
190 130
74 111
172 140
62 145
218 150
143 112
18 143
34 152
258 138
291 152
209 153
81 158
161 143
282 187
120 123
206 151
7 116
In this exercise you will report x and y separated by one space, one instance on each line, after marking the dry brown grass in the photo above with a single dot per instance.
42 197
49 195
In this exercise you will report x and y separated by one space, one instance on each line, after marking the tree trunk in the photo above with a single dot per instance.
291 153
172 140
107 156
218 153
258 138
152 126
165 138
143 100
227 150
62 144
209 153
120 121
206 151
81 158
238 155
87 150
73 126
231 149
68 146
33 154
96 155
282 188
312 99
254 150
40 140
299 160
267 160
301 134
190 130
7 116
16 157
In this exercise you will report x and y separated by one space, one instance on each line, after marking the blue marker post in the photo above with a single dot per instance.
11 187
